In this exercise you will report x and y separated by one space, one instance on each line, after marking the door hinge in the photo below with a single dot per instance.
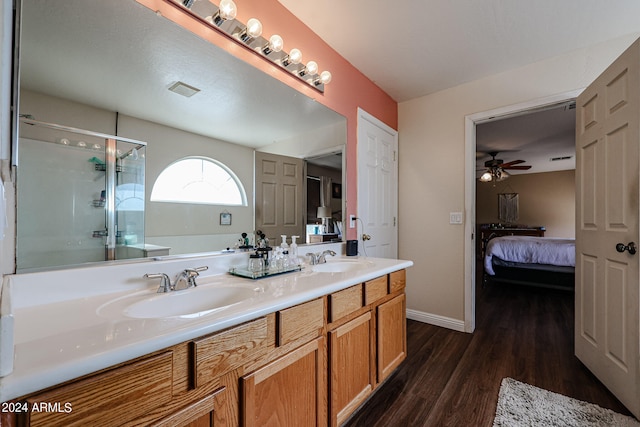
394 155
394 221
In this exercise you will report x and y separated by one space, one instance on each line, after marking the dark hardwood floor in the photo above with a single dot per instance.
452 378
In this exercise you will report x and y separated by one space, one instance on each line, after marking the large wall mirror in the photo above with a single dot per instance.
118 68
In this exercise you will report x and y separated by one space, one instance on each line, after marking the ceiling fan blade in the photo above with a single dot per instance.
520 168
513 162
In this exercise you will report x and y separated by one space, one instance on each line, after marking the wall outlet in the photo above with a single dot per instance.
455 217
352 221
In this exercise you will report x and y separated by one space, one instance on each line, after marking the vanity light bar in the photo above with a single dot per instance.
250 35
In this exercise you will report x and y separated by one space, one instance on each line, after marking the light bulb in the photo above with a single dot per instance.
254 28
312 67
294 57
81 144
502 175
486 177
276 43
228 10
64 141
325 77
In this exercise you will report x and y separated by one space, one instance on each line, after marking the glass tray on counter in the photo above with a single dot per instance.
243 272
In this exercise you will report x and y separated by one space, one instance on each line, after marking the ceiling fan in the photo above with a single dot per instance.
496 168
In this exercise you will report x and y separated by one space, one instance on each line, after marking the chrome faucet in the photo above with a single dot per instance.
165 282
185 279
320 258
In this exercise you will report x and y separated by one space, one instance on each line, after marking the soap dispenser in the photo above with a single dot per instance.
284 244
293 251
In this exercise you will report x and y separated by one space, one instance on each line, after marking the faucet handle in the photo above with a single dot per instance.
192 273
165 282
322 256
314 257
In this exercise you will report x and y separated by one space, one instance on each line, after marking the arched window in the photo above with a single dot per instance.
198 180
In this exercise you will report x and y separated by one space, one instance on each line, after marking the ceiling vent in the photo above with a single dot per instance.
557 159
183 89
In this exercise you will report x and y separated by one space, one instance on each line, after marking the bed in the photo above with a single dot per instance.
527 260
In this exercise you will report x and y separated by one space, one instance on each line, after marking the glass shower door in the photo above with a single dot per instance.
129 200
78 200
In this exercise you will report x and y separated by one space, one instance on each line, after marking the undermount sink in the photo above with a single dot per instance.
341 265
188 303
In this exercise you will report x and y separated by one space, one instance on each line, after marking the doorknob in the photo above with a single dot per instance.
631 247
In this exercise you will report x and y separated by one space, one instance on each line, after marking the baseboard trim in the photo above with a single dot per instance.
434 319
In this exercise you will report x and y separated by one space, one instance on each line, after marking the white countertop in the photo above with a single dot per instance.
79 333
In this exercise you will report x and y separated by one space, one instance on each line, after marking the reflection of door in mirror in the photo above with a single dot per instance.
279 191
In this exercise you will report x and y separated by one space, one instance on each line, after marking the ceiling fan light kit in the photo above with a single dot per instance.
496 168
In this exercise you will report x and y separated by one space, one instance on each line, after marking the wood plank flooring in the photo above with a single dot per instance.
452 379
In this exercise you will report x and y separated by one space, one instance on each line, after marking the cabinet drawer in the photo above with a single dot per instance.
201 413
119 395
345 302
397 281
298 321
375 289
220 353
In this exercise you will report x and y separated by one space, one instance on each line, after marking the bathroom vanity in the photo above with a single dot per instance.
303 348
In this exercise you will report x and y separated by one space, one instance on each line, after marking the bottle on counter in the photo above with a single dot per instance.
293 251
256 263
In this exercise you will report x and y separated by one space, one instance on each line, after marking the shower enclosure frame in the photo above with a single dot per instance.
111 168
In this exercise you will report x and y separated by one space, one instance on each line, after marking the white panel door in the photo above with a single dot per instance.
377 188
607 178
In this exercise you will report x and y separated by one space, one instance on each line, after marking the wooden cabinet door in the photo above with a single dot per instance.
290 391
391 335
350 367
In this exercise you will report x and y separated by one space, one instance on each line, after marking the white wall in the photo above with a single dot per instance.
185 228
431 170
166 145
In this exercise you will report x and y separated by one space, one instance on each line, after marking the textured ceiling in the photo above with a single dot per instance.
535 138
121 56
413 48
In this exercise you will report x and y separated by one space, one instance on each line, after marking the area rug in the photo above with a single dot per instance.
521 404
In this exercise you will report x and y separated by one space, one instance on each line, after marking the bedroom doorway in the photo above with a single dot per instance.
473 246
607 226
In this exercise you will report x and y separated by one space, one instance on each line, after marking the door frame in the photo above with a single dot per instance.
470 180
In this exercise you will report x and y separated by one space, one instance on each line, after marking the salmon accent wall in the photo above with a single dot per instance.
348 90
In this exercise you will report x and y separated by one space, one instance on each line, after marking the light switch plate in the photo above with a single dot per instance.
455 217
